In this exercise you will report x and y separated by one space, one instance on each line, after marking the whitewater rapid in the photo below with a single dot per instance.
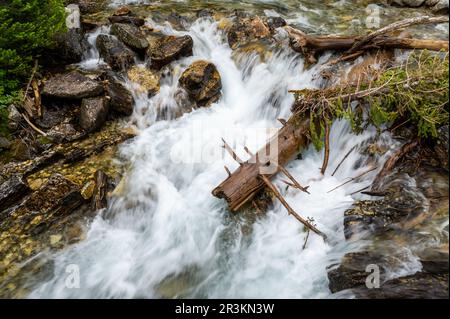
164 234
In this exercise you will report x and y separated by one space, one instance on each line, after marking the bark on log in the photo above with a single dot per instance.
242 185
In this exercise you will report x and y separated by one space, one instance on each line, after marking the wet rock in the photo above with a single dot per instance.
246 30
12 190
121 99
168 49
409 3
437 6
130 35
202 82
178 21
99 200
14 118
138 22
71 45
441 147
72 85
93 113
21 150
88 189
114 52
418 286
147 80
275 22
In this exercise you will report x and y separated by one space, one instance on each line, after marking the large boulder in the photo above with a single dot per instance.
121 99
71 45
93 113
72 85
202 82
168 49
130 35
114 52
147 80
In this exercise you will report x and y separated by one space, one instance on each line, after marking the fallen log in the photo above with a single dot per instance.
355 45
242 185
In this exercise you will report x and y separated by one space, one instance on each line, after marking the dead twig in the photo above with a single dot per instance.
354 178
327 148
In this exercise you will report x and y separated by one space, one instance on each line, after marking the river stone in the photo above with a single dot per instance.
130 35
121 99
12 190
72 85
147 80
114 52
245 30
14 118
168 49
93 113
90 6
202 82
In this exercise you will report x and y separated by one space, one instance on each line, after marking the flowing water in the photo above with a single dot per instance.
164 234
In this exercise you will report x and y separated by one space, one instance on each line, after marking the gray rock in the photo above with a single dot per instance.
441 147
72 85
168 49
202 82
130 35
127 19
93 113
114 52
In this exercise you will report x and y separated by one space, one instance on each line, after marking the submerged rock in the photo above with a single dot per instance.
114 52
168 49
202 82
130 35
93 113
121 99
72 85
147 80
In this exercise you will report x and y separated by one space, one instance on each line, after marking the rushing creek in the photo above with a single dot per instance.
165 235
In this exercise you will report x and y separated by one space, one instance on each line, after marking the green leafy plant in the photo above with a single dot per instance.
26 28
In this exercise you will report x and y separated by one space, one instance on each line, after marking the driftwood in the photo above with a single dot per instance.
356 45
242 185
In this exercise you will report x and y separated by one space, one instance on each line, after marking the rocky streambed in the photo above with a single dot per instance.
110 106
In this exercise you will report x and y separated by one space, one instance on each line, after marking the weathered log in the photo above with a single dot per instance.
355 45
242 185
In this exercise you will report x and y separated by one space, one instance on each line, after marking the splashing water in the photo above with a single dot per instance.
165 235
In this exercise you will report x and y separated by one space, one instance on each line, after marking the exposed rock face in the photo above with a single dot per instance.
168 49
122 100
130 35
72 85
12 190
248 29
93 113
114 52
147 80
202 82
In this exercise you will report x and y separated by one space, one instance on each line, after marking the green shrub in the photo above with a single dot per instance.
26 28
